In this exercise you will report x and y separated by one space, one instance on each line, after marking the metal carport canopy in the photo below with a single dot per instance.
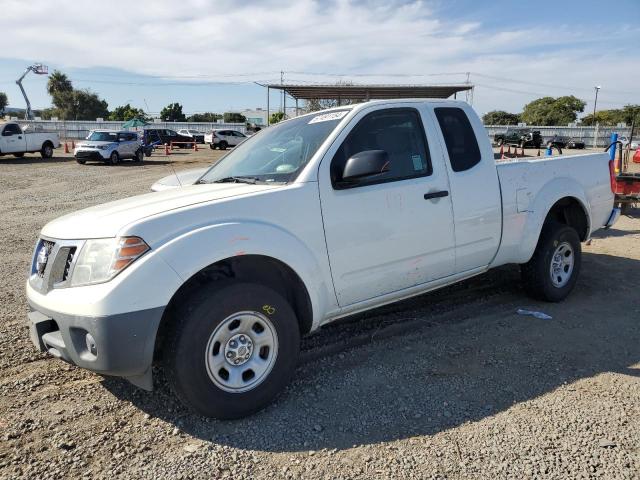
369 92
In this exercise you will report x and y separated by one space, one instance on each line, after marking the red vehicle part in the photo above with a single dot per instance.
636 156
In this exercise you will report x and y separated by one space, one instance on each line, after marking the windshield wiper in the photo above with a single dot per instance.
251 180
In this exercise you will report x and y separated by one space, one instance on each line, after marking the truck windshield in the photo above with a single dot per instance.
278 153
103 137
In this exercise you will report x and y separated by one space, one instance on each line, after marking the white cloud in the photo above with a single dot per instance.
203 38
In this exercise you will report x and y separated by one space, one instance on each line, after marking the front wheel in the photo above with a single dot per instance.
114 158
232 349
139 156
223 145
553 270
19 154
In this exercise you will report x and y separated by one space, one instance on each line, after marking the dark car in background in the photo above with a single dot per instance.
165 136
557 141
195 134
522 137
575 143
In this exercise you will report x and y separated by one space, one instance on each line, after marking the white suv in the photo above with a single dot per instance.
224 138
109 146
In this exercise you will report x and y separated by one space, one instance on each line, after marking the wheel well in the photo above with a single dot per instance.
570 211
259 269
47 142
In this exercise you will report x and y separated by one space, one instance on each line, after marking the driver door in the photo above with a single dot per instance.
13 139
393 233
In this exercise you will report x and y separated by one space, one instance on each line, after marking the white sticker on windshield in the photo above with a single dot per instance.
325 117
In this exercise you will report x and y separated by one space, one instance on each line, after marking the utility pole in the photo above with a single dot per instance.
282 91
595 132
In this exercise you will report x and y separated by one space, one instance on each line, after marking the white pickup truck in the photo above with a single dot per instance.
16 141
310 220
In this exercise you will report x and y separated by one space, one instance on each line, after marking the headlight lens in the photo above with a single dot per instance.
102 259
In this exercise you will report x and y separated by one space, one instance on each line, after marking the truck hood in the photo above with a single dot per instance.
106 220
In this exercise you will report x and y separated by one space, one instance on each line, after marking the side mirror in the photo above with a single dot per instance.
362 166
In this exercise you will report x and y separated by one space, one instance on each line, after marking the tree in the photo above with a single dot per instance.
552 111
127 112
233 117
204 117
276 117
173 113
58 83
4 101
614 116
86 105
500 117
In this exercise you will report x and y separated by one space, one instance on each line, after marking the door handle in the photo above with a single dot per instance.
432 195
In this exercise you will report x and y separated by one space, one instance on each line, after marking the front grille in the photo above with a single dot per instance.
87 154
67 265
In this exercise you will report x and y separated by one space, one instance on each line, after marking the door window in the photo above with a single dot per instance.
459 138
11 129
400 133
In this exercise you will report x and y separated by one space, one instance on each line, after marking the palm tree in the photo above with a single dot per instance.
58 83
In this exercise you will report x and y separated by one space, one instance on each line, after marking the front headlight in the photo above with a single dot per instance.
102 259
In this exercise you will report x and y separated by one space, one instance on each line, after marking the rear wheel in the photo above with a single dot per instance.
553 270
19 154
114 158
81 162
212 146
46 151
232 349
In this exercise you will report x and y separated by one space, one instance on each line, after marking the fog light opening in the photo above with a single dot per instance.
90 342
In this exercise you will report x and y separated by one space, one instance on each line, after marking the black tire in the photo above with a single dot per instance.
47 150
19 154
195 323
148 151
139 156
114 158
212 146
81 162
500 142
223 145
536 273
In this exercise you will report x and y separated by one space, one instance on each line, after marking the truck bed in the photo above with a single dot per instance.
530 184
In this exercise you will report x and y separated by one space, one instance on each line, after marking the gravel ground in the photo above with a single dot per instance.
452 384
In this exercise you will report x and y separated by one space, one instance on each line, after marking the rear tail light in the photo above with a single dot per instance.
612 175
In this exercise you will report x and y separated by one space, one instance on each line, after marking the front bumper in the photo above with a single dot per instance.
120 345
98 155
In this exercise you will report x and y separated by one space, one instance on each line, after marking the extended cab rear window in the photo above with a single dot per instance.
459 137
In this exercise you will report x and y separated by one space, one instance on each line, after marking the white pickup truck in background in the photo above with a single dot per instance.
16 141
310 220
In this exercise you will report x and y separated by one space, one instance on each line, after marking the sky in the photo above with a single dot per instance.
208 55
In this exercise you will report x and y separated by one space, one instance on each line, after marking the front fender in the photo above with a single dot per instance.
539 207
193 251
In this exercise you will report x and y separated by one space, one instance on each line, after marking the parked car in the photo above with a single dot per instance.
16 141
575 143
522 137
109 146
314 219
557 141
165 136
195 134
224 138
